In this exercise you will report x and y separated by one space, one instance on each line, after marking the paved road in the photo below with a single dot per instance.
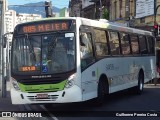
121 102
117 103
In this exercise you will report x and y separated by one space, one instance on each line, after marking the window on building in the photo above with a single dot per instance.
132 3
120 8
142 20
115 9
127 8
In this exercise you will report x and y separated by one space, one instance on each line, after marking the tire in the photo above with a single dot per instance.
100 93
139 88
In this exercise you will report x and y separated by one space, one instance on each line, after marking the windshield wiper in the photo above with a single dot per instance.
52 46
31 48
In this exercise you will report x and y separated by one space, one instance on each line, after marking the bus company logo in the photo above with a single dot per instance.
6 114
110 67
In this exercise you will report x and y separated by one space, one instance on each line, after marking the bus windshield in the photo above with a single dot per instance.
44 54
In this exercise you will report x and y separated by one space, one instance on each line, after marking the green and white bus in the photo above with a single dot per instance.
64 60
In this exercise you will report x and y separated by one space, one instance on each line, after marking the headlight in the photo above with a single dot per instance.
15 84
70 82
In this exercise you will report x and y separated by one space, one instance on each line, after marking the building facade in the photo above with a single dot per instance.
88 9
137 13
75 8
12 19
10 22
64 12
134 13
93 9
24 17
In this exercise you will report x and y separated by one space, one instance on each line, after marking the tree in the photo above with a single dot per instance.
105 14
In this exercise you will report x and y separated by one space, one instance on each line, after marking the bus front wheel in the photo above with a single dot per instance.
100 93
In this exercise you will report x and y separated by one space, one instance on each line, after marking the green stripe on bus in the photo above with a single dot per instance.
42 87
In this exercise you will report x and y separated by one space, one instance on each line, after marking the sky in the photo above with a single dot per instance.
56 3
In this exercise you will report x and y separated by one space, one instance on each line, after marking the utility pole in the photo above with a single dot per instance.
2 80
7 61
100 6
48 9
1 24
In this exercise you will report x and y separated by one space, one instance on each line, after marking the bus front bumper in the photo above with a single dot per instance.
69 95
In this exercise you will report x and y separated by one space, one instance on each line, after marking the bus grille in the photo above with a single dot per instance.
40 81
49 98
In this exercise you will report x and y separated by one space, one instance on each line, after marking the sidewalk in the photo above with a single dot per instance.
6 106
152 85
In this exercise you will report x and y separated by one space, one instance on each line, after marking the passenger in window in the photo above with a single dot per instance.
85 46
86 50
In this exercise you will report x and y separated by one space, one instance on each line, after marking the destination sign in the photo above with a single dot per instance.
44 27
28 68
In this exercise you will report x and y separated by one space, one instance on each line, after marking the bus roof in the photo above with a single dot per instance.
96 23
112 26
48 19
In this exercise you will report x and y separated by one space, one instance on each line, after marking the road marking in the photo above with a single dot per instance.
155 111
27 108
50 114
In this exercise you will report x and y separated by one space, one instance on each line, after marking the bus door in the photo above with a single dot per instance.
88 71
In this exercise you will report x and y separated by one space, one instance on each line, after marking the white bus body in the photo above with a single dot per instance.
118 72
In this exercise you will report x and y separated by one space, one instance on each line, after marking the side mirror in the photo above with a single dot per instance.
4 41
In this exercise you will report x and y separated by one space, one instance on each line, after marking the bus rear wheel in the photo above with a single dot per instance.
139 88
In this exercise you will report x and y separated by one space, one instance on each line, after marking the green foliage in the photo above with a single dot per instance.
105 14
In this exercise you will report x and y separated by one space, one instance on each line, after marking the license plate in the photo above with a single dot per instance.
42 95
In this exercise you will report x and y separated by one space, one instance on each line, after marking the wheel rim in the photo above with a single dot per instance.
141 86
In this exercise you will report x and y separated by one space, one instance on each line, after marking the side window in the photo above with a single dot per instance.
101 42
125 44
114 43
86 49
143 44
134 44
151 44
